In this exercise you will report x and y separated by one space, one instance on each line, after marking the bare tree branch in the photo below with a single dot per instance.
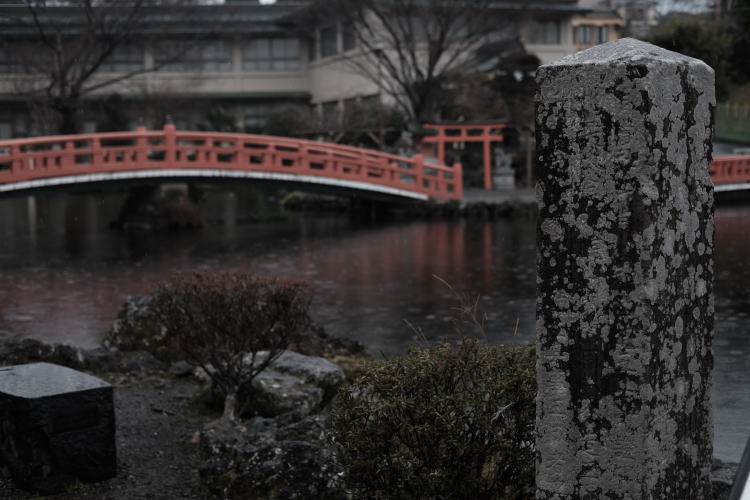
410 47
66 44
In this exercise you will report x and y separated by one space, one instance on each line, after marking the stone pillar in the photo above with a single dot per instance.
625 272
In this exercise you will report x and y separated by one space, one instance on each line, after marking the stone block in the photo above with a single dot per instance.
503 178
276 393
625 271
57 425
312 369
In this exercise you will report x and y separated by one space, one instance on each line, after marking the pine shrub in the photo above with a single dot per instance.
442 422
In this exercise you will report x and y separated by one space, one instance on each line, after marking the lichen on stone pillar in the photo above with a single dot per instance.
625 274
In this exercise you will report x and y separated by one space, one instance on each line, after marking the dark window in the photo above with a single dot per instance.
603 34
350 104
349 37
370 101
124 59
217 55
329 43
8 59
19 57
255 115
544 32
271 54
256 55
188 56
584 34
312 52
285 53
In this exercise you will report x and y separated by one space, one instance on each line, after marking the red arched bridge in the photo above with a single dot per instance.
41 162
731 173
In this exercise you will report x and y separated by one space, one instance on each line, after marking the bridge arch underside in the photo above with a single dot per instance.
309 183
732 193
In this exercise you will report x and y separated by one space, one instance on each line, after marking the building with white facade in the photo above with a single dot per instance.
247 59
638 16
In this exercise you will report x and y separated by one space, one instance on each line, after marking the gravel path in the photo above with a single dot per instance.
156 445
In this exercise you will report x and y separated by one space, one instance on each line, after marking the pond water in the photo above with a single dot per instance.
64 275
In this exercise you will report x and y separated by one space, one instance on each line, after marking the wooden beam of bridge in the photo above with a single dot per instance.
71 159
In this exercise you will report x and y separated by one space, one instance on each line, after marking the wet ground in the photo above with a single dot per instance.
158 451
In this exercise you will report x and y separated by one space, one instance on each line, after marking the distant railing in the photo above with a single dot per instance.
259 156
730 170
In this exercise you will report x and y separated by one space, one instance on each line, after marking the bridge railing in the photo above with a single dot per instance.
731 169
46 157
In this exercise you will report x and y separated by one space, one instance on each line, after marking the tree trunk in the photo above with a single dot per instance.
230 407
67 115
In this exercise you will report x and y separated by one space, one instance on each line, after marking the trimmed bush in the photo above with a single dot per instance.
136 328
220 321
442 422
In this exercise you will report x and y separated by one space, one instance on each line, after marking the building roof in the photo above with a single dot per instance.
316 11
235 16
206 19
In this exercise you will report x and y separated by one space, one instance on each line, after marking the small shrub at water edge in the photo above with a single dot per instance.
442 422
220 322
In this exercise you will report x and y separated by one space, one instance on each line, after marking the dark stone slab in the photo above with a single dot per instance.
57 425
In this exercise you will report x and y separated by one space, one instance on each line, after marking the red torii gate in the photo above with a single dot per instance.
486 133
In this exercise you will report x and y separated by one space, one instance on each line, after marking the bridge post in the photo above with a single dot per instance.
141 145
67 158
625 272
170 144
16 161
239 156
97 156
418 162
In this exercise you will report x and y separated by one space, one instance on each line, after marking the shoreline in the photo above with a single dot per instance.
476 203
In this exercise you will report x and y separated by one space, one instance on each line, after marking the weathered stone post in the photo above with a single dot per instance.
625 273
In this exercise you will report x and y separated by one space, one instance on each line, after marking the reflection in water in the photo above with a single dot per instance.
731 393
64 275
